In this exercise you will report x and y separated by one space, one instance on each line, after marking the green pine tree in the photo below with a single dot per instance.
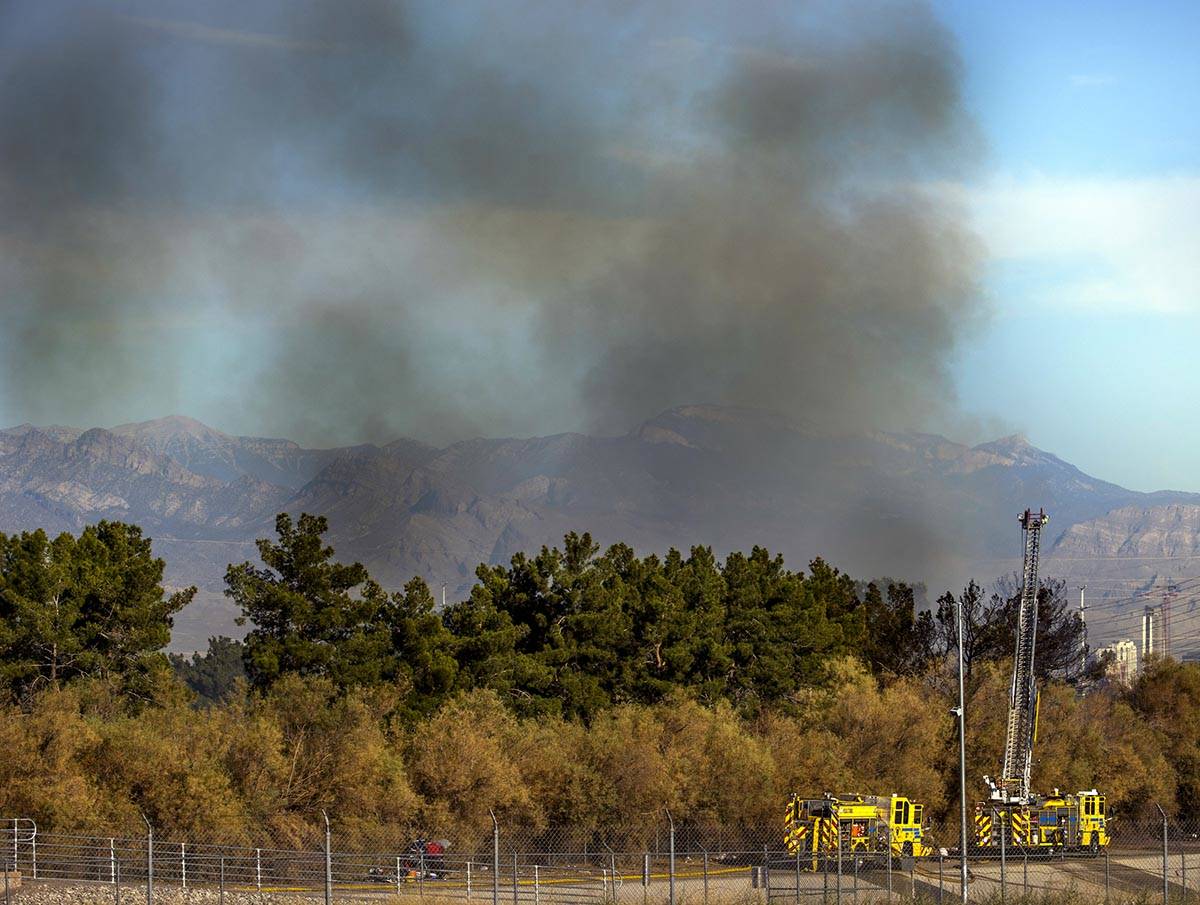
311 615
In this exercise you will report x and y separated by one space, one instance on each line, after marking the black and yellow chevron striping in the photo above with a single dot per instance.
1020 826
983 829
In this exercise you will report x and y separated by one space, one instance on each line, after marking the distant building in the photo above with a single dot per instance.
1122 661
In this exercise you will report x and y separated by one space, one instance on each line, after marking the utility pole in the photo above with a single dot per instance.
443 596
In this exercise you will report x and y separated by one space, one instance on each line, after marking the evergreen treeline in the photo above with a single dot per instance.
577 686
575 631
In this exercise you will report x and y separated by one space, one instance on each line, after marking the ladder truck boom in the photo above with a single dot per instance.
1022 708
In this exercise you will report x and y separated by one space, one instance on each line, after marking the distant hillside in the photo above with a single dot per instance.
205 451
64 484
913 506
1136 552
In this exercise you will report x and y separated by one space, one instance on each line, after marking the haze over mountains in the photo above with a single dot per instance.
912 506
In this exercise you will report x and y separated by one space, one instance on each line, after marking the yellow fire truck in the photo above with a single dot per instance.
1068 823
855 824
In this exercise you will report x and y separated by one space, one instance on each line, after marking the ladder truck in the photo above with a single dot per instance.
1013 815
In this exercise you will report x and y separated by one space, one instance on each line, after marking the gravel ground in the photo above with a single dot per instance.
43 894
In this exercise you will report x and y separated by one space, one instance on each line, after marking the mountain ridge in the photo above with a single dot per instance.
214 453
914 506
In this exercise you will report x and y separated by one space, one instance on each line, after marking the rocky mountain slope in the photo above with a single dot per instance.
914 506
1134 557
61 484
1169 531
206 451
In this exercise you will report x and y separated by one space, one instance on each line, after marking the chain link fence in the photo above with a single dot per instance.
1152 861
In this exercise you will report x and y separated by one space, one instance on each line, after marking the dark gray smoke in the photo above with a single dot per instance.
341 219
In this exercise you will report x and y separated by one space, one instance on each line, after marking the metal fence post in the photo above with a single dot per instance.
889 866
398 877
495 860
838 895
112 860
468 878
1003 854
797 876
328 860
117 884
8 895
537 893
671 863
183 864
1165 859
258 869
515 894
705 877
149 861
222 881
1165 882
941 878
645 875
1106 887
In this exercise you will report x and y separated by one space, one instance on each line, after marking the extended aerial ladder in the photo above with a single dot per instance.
1057 821
1013 787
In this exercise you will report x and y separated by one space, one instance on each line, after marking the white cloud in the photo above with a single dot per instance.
1111 244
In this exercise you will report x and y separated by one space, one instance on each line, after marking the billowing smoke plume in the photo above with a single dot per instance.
341 219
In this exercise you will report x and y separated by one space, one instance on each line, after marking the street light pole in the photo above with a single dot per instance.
960 712
1083 622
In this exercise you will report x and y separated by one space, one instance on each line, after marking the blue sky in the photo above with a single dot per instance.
1088 206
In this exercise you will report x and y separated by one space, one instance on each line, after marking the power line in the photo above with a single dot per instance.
1153 591
1185 630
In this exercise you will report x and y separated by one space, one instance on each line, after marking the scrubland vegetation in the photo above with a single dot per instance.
572 688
